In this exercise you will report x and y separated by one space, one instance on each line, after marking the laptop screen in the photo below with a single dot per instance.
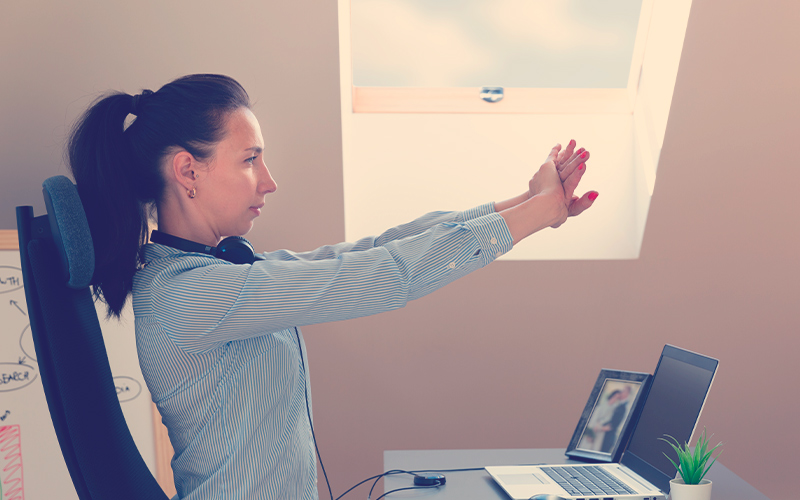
677 394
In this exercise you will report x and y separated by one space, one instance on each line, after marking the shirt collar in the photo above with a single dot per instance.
153 251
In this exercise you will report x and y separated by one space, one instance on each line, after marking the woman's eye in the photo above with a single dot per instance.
251 159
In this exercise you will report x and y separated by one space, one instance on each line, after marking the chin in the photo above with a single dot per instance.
239 229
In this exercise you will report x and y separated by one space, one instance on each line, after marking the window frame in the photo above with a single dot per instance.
515 100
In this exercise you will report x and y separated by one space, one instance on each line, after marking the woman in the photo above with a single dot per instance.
218 343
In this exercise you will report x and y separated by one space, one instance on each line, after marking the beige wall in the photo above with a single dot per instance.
718 271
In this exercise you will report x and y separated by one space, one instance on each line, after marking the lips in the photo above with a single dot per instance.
257 209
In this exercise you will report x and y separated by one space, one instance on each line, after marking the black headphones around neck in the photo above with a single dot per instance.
234 249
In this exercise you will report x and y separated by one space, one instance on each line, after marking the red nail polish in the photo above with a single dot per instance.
583 155
580 167
572 142
581 150
593 196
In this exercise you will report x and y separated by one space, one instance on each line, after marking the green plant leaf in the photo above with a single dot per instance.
692 464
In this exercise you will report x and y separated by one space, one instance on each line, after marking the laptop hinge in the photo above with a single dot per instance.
644 485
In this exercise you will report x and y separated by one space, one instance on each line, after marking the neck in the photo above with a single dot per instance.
179 218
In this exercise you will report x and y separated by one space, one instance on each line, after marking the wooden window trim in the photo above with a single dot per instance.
468 100
9 239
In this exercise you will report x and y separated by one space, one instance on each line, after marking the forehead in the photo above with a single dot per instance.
243 132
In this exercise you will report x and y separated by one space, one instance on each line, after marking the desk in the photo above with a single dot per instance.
479 485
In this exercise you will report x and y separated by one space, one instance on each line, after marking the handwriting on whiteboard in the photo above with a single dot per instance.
127 388
22 369
10 279
15 376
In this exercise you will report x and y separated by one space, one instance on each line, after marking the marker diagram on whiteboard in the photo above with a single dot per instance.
17 372
27 438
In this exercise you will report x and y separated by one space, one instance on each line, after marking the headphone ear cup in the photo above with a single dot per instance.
236 250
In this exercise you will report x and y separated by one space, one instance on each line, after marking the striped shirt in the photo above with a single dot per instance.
220 350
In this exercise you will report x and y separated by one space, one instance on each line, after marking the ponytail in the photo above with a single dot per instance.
118 170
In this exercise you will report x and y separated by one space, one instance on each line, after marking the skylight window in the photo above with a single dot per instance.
508 43
420 131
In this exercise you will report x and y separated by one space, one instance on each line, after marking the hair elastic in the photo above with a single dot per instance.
135 101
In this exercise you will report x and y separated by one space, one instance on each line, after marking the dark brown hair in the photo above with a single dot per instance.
118 170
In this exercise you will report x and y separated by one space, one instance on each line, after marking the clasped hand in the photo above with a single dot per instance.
557 179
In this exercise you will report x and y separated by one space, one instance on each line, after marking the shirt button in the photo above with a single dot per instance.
451 265
494 241
498 254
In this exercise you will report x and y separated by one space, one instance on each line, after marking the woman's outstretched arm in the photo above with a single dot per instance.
550 198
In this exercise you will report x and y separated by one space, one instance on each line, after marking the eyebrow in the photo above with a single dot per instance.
255 149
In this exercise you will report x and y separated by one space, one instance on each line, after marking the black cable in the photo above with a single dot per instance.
415 472
388 473
408 488
376 477
308 410
375 483
411 472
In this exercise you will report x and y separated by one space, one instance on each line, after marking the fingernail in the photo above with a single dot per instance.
580 167
572 142
593 195
583 155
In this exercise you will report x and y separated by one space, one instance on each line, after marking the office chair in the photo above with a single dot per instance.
57 265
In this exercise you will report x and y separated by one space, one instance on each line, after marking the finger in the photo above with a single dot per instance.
565 155
553 154
568 159
571 182
576 160
564 172
580 204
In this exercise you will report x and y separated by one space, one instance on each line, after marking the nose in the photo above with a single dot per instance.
266 183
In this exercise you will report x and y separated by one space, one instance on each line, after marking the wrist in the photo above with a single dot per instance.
550 206
499 206
532 215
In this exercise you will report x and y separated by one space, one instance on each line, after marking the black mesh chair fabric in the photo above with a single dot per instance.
103 460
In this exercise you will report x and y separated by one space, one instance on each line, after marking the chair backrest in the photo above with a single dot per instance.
57 257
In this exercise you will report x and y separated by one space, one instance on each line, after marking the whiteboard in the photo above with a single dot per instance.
31 464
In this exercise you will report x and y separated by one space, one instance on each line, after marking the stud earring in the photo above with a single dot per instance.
192 192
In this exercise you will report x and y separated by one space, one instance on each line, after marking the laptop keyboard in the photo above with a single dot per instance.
587 480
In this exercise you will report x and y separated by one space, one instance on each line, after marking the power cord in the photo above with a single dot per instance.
419 484
308 411
419 480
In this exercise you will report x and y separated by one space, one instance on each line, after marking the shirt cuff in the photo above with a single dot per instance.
474 213
492 234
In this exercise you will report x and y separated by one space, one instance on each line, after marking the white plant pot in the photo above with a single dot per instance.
678 490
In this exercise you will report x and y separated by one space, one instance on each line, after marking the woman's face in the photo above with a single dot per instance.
231 190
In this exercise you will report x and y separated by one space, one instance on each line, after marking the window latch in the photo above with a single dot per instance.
492 94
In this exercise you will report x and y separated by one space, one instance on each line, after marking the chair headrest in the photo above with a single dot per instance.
70 230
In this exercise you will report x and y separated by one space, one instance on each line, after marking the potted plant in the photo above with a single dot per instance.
692 466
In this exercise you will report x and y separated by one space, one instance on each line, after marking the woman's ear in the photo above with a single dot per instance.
184 169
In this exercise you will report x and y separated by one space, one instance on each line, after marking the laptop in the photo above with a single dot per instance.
677 394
